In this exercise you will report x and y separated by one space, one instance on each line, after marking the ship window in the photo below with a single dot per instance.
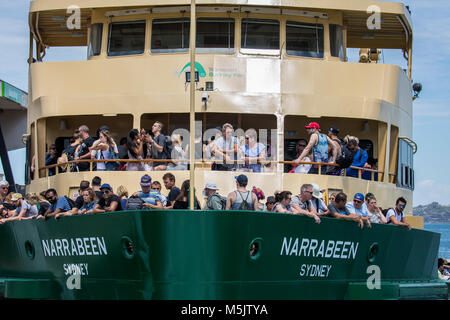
126 38
170 35
95 39
304 39
336 41
405 177
260 34
215 35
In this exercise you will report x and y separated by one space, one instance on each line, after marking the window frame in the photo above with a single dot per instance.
260 51
167 51
232 33
126 53
100 40
289 52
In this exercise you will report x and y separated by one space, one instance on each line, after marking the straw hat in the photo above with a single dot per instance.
63 159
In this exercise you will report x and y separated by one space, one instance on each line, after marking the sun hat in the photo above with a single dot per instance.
16 196
316 191
211 185
258 192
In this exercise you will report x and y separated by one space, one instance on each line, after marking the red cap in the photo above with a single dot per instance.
314 125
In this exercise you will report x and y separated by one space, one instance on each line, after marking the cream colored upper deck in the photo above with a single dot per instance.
330 91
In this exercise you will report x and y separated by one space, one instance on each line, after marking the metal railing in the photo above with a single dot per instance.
209 162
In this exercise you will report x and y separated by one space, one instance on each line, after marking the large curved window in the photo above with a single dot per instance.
304 39
126 38
170 35
260 34
215 35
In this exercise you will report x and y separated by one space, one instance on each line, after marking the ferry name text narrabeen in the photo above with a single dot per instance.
89 246
315 248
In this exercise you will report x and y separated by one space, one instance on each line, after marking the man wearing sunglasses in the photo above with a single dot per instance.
57 204
4 188
302 204
109 201
357 206
395 215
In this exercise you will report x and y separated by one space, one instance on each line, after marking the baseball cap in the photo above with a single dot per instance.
242 179
4 183
16 196
211 185
314 125
270 199
334 130
106 186
359 196
146 181
369 194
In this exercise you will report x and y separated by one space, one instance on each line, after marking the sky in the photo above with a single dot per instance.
431 67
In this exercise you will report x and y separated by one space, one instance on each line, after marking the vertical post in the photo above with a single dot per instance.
5 163
192 109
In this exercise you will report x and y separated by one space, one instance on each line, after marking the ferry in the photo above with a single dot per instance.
270 66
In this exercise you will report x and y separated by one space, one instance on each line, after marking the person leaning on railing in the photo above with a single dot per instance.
360 156
319 144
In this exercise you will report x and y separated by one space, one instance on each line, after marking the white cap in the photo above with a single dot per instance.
4 183
316 191
211 185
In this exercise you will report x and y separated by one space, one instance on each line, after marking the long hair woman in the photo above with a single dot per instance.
182 201
135 150
177 154
282 204
106 149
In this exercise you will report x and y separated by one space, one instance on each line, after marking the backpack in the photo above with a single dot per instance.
244 205
70 202
223 201
168 147
111 165
134 203
345 159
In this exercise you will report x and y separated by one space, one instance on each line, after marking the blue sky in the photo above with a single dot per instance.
431 67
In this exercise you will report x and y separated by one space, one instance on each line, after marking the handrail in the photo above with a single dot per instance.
211 161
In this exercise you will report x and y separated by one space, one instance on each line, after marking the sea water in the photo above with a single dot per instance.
444 230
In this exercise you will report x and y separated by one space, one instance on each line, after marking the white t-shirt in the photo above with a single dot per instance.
393 213
303 168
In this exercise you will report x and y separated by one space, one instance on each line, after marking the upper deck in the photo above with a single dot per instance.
141 80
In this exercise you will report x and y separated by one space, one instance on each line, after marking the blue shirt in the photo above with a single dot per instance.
352 209
152 197
89 206
359 160
60 204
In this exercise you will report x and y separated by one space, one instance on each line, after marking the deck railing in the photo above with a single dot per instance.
208 162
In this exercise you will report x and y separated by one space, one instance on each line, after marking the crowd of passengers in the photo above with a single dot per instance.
98 197
226 152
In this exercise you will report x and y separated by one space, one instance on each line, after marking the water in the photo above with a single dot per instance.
444 230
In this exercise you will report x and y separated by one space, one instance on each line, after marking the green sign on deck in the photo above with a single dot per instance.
13 94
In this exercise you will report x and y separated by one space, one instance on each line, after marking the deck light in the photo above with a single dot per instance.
417 88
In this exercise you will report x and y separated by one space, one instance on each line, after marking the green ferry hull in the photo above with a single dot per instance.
182 254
